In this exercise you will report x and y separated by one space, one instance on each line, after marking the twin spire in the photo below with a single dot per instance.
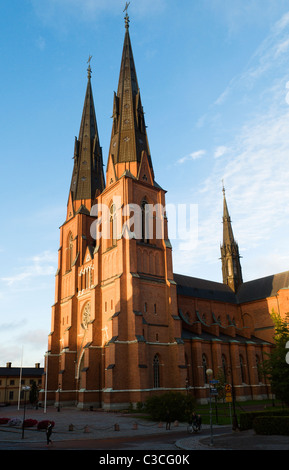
87 177
128 138
128 146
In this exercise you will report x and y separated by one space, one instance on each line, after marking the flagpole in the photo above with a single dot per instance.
46 375
20 378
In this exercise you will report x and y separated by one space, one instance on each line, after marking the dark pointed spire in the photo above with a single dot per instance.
228 236
231 266
129 136
87 178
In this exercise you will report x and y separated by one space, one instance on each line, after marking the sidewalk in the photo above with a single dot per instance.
74 424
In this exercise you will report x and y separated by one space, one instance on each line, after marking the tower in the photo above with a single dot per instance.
116 333
231 266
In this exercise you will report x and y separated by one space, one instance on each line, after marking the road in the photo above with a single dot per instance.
165 441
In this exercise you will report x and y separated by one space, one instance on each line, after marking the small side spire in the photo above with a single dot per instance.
231 266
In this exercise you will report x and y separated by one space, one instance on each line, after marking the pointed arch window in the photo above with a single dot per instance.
242 369
224 367
112 225
156 370
144 221
258 369
69 252
204 364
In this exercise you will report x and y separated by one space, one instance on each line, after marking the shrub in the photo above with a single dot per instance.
15 422
43 424
4 420
29 423
271 425
180 406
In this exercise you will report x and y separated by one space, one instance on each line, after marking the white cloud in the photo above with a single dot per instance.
268 57
220 151
192 156
43 264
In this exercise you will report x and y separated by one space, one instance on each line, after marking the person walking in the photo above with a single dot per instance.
48 434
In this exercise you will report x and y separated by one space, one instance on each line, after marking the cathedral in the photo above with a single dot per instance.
124 326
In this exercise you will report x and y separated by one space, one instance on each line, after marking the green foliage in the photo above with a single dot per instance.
274 425
275 367
178 405
33 394
247 418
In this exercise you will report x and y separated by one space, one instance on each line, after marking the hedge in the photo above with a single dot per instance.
247 418
4 420
273 425
29 423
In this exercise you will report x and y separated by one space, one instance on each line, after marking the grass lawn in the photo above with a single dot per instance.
222 412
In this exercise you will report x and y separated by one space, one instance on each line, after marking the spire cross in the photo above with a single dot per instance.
89 68
223 187
126 7
126 15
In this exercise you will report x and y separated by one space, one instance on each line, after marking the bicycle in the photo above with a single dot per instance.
193 427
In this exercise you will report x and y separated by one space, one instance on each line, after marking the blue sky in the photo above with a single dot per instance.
213 78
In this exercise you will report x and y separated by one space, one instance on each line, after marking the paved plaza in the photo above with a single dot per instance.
72 424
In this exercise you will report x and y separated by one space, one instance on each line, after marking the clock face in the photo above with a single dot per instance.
86 316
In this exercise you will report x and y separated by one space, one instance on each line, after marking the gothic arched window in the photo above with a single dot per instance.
258 368
144 222
224 367
69 252
112 225
204 363
156 369
242 370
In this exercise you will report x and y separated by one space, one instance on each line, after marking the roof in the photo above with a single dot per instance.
263 288
205 336
26 371
201 288
249 291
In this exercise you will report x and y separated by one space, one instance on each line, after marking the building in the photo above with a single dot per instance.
124 325
13 379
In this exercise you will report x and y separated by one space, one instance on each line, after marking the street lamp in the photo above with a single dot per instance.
235 419
209 373
25 389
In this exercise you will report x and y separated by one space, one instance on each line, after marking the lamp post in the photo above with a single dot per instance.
25 389
235 425
209 373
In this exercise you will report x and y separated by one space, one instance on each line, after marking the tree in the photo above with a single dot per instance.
179 406
33 394
276 367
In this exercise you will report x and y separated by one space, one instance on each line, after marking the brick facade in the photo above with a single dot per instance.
124 326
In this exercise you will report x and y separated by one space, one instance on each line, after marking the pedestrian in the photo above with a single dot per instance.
168 419
48 433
